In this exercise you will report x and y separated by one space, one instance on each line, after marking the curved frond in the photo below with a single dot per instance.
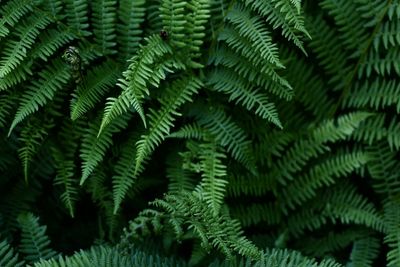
52 79
141 73
94 146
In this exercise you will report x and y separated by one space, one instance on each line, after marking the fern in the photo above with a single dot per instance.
364 251
135 82
109 257
77 16
161 121
100 79
227 82
223 232
125 172
104 18
212 186
94 147
279 258
252 28
228 133
15 51
8 257
51 80
131 14
11 14
32 136
34 242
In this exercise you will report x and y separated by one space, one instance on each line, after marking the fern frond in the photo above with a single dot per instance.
347 205
160 122
15 51
256 72
251 27
228 135
105 256
392 133
381 65
104 25
346 124
18 75
172 13
373 130
50 41
280 15
153 16
292 11
365 251
99 80
249 215
244 48
296 157
378 94
34 241
212 186
323 174
388 35
131 15
94 146
277 258
7 103
383 169
52 79
331 242
179 178
191 131
7 256
330 51
66 178
196 18
77 16
308 86
32 136
228 82
239 185
219 231
125 173
142 72
346 14
392 217
11 13
54 7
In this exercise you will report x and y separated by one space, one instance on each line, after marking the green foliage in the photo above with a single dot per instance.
34 242
109 257
7 256
200 132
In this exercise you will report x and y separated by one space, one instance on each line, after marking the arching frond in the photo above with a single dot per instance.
15 51
52 79
94 146
141 73
99 81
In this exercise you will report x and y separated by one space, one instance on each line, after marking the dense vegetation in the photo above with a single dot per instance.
199 133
